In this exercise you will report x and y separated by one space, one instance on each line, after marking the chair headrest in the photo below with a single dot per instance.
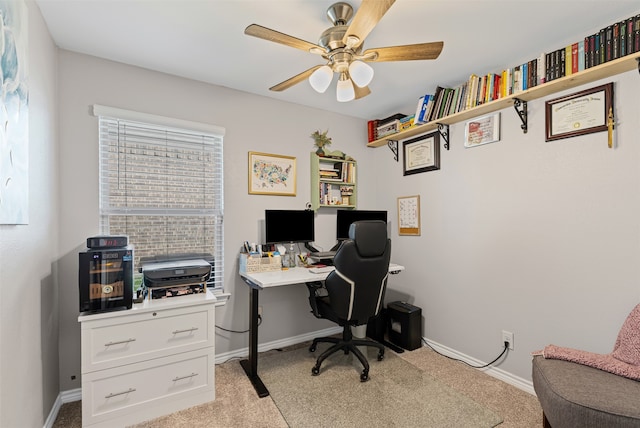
370 237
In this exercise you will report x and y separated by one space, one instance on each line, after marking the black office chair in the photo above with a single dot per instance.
354 292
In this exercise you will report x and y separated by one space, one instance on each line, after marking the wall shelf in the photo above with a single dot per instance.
611 68
338 191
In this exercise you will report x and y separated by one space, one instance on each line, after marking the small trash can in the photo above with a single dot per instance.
405 325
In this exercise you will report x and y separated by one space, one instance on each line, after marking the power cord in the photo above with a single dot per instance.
240 331
504 351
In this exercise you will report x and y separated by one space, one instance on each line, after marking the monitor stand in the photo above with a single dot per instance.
335 247
310 247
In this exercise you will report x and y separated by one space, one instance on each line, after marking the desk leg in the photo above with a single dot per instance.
250 366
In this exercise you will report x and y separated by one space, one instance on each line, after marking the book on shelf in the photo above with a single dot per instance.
581 56
422 110
608 43
372 130
623 37
615 41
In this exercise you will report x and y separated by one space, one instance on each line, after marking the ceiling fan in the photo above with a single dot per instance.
342 47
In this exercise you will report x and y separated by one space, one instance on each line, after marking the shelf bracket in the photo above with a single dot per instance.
444 131
638 60
522 113
393 145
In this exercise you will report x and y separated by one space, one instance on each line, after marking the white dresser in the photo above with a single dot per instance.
149 361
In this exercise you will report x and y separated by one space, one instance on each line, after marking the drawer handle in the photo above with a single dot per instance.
185 377
120 393
119 342
189 330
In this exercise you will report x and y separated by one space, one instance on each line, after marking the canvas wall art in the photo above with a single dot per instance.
14 114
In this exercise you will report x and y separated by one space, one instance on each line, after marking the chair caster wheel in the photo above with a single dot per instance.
312 348
380 355
364 377
315 371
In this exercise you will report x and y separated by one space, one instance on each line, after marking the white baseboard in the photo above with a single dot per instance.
504 376
63 397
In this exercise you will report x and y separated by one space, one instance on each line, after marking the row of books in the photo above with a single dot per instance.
343 172
610 43
334 195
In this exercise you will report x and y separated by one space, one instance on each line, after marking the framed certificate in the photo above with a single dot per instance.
577 114
422 154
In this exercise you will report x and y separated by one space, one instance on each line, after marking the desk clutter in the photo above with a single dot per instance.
255 263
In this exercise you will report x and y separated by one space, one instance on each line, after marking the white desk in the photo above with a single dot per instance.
262 280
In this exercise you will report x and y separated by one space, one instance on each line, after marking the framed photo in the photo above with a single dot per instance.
409 215
422 154
577 114
482 130
272 174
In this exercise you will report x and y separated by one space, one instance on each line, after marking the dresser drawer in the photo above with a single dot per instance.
135 337
136 392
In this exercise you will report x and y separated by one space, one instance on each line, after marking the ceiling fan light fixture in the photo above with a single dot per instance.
345 91
361 73
321 78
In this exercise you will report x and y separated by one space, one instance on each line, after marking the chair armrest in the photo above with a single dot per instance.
316 289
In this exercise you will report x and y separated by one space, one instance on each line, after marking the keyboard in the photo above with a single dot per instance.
323 269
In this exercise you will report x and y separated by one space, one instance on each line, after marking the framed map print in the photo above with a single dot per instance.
272 174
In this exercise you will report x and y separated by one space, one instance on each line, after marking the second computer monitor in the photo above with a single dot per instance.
346 217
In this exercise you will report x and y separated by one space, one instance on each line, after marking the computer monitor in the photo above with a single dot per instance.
344 218
282 226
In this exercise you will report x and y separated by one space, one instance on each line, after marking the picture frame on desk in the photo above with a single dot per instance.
482 130
271 174
580 113
421 154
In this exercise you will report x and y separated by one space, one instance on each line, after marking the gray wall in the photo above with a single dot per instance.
540 239
28 256
537 238
252 124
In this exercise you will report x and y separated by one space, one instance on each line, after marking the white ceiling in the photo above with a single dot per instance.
205 41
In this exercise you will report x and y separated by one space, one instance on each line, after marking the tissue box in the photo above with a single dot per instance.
250 263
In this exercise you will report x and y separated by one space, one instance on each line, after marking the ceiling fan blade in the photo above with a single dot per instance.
265 33
361 92
294 80
366 18
405 52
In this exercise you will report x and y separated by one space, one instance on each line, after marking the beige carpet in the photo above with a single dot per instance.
398 394
237 405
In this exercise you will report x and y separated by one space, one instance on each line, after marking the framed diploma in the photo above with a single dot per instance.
581 113
421 154
409 215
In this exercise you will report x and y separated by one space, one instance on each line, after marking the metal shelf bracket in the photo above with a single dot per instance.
393 145
444 132
522 113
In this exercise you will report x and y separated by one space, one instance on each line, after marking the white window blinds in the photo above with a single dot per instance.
162 185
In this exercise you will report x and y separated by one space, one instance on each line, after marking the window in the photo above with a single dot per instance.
161 184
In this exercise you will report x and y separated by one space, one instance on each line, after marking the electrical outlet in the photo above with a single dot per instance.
507 336
259 311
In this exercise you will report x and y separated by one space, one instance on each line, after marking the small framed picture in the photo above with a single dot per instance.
482 130
422 154
272 174
409 215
